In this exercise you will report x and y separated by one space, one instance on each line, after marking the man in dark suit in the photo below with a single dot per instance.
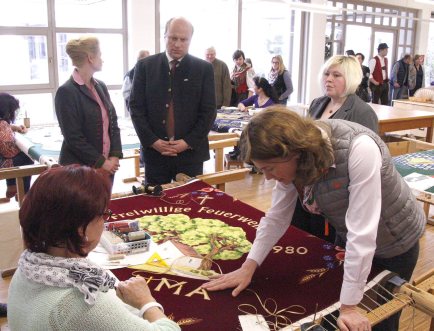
172 107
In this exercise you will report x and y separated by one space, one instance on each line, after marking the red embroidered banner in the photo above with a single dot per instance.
302 271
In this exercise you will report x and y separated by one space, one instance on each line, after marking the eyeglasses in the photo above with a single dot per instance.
107 215
273 62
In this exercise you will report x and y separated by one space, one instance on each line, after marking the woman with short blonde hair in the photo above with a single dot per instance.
339 78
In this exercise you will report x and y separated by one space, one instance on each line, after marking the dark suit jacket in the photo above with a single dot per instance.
80 120
193 99
354 110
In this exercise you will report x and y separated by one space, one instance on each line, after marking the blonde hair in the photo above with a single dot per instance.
281 65
351 69
78 49
279 132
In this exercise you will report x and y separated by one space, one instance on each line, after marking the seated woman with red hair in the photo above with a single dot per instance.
55 286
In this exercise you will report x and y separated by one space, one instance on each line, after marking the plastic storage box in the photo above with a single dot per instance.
114 244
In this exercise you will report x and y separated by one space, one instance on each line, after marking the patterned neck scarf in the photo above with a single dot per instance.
272 76
87 277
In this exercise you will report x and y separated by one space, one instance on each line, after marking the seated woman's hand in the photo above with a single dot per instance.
19 128
242 107
239 279
135 292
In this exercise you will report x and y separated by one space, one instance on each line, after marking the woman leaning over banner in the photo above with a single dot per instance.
86 115
55 286
343 171
280 79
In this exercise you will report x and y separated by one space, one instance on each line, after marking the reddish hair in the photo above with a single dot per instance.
60 202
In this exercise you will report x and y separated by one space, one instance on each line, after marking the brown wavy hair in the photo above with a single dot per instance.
279 132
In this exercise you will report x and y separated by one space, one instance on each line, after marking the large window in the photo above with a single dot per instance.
267 29
215 24
33 65
361 26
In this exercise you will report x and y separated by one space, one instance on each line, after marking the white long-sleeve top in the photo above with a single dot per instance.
361 218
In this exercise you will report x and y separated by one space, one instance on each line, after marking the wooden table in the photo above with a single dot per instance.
407 104
391 119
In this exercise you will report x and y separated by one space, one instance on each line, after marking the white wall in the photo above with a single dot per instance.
316 55
141 28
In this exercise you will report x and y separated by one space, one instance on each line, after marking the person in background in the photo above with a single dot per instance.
10 154
173 107
363 90
350 52
86 115
280 79
241 77
252 73
416 78
128 78
222 79
399 78
339 78
126 91
55 286
264 95
372 207
378 79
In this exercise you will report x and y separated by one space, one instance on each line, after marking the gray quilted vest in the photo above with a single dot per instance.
402 220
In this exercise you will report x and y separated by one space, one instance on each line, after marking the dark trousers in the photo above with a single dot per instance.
380 93
21 159
165 168
403 265
238 97
312 223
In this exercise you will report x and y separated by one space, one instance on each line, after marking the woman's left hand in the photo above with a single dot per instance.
351 320
135 292
19 128
242 107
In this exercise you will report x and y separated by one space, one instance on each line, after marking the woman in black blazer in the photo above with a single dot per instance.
85 112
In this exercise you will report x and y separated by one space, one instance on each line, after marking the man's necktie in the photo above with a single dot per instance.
170 120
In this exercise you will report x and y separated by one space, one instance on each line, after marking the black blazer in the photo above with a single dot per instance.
354 110
193 99
80 120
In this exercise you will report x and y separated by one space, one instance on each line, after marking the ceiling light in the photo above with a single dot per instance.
314 8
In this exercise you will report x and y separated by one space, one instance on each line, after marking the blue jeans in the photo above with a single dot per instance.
398 93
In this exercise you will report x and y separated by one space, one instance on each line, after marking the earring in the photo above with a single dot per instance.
86 238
